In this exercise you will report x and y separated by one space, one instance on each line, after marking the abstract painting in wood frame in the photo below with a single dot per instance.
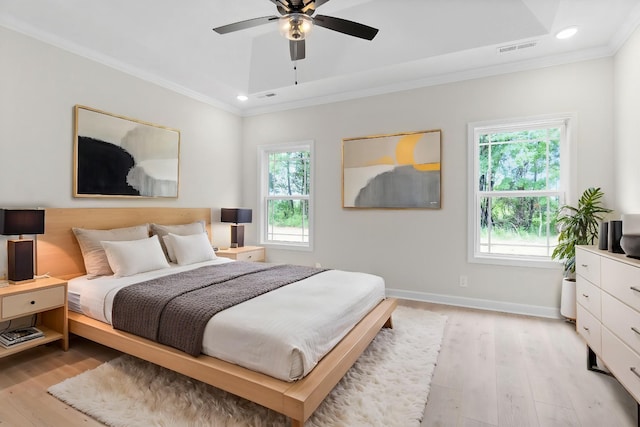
397 171
116 156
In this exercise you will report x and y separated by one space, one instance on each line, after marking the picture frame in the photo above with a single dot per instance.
117 156
395 171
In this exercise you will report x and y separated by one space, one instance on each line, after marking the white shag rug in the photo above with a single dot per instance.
387 386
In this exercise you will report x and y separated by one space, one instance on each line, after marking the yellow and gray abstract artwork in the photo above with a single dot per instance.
392 171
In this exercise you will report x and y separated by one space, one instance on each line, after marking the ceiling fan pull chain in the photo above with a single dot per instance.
295 73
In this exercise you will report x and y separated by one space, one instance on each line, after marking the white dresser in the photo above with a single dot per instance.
608 312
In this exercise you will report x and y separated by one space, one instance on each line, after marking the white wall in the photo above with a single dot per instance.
627 125
422 253
39 86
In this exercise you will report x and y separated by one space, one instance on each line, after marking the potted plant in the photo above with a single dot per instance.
577 226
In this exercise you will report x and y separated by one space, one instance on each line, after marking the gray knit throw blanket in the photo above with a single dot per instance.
175 309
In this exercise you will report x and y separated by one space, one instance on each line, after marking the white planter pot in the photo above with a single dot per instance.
568 299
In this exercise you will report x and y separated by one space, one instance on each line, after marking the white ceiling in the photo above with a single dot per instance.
421 42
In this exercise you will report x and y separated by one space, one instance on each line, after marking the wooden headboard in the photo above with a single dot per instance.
58 253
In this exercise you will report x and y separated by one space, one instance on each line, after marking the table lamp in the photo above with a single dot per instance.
236 216
16 222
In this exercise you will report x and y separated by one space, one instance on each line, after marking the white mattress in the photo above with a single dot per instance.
283 333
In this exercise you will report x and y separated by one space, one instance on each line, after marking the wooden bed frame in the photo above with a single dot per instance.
59 255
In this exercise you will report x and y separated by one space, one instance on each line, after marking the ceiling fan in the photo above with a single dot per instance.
297 20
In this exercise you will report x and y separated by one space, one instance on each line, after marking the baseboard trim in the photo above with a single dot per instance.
481 304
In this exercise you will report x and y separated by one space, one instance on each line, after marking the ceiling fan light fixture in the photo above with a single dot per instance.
295 26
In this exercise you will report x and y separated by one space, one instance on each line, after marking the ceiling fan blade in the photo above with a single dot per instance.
296 49
320 2
245 24
347 27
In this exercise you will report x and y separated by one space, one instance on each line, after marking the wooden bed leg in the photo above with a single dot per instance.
296 423
388 323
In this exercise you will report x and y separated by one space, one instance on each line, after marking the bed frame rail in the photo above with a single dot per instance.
297 400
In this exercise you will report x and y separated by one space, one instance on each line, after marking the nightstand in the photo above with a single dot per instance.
245 253
46 298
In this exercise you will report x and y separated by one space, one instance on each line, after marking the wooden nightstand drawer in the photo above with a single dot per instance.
245 253
257 255
32 302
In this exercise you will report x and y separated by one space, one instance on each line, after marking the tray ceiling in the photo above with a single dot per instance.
420 42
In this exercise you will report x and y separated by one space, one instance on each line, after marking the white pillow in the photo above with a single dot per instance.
95 260
192 248
127 258
181 229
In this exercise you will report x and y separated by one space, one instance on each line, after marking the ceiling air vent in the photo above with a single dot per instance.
514 47
267 95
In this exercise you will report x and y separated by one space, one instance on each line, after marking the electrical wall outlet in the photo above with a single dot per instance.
464 281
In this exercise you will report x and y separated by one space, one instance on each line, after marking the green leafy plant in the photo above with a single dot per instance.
578 226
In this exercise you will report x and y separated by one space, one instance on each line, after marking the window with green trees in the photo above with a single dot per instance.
520 171
286 194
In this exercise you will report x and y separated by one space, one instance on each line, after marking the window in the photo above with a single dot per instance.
520 176
285 194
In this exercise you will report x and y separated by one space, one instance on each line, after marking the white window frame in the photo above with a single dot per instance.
263 192
567 181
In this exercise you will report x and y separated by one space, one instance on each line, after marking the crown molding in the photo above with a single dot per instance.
626 30
471 74
32 32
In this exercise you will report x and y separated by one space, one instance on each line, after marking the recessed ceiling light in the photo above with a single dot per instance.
242 97
567 33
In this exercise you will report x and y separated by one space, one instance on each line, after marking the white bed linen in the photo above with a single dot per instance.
283 333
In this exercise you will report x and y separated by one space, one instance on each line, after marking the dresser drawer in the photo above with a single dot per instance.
588 296
588 265
622 281
620 319
589 328
622 362
32 302
257 255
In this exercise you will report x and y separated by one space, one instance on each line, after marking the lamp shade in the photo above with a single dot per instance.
21 221
235 215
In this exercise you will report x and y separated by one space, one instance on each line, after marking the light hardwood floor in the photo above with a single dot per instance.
494 369
497 369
